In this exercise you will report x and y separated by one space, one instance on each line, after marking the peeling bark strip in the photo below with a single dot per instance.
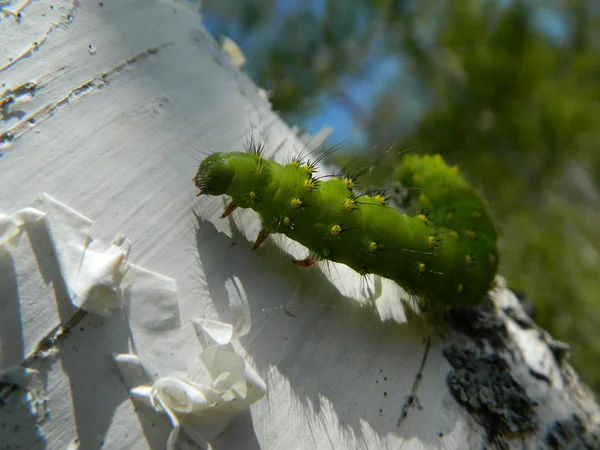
11 97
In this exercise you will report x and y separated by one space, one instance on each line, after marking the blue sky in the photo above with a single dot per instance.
363 89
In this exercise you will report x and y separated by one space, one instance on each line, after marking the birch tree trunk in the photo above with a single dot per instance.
107 106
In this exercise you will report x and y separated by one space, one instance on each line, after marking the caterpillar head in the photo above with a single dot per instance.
214 175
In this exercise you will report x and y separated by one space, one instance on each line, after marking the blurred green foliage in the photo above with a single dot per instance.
516 109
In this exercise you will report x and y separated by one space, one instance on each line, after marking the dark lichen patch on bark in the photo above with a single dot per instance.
483 384
481 324
573 434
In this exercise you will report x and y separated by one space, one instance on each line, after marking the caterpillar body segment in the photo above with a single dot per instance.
453 204
424 254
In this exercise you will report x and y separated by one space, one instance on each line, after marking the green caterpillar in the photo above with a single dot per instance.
446 255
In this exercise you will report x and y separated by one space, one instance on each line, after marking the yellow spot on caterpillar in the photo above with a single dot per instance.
253 196
336 230
295 164
432 241
424 218
471 233
296 203
349 182
421 267
459 288
326 253
309 184
422 198
454 234
477 214
438 157
426 157
449 214
469 260
350 204
286 221
334 178
372 247
309 169
454 169
380 198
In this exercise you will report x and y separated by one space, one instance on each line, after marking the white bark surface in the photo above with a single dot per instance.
106 108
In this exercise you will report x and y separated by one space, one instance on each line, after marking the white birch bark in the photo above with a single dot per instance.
106 107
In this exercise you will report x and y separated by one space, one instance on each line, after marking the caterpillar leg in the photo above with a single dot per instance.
231 207
305 262
262 235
